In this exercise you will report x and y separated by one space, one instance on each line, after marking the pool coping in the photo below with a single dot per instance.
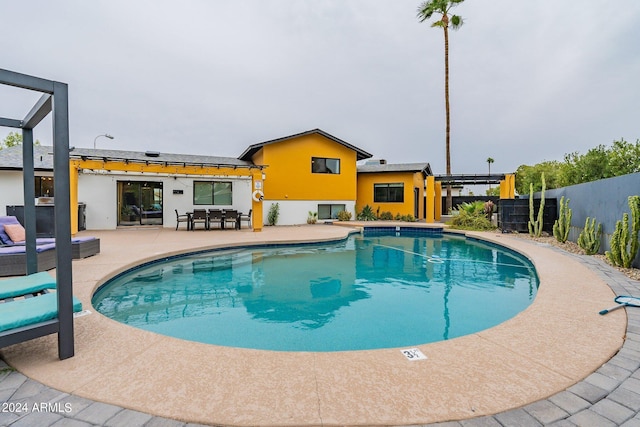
493 371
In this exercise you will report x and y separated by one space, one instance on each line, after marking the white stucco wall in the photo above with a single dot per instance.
294 212
99 191
11 189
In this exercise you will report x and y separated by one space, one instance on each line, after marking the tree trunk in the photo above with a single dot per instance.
447 113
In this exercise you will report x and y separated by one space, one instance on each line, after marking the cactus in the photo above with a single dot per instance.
563 224
589 238
624 244
535 226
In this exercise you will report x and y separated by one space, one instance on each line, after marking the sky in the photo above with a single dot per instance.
529 81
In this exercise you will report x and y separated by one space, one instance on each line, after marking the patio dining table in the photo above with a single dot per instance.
222 223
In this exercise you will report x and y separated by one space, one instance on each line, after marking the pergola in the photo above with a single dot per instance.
54 100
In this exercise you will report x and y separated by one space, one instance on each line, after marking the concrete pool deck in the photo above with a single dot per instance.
552 345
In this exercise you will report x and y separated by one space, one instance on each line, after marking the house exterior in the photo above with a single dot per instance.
307 172
395 188
120 188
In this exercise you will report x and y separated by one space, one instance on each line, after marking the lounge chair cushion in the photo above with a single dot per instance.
15 232
28 311
4 237
17 286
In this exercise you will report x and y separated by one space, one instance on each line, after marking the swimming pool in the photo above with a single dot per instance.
368 291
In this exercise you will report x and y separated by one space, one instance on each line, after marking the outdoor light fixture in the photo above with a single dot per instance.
96 138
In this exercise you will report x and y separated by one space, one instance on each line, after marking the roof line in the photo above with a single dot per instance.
361 154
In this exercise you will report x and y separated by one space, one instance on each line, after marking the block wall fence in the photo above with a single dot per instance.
605 200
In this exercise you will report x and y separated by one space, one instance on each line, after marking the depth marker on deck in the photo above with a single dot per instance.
413 354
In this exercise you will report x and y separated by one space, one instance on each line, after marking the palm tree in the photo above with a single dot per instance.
442 8
489 161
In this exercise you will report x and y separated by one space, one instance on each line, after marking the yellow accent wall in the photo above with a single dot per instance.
289 175
410 180
508 187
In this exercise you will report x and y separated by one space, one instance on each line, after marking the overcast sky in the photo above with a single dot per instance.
530 81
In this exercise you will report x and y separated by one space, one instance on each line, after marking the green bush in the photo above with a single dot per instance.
386 216
344 216
471 221
367 214
274 213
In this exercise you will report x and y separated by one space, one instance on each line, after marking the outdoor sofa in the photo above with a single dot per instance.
13 253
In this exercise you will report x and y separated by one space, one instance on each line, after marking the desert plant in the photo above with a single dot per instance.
344 216
312 218
367 214
466 220
408 218
274 213
563 224
535 225
472 207
624 244
386 216
589 238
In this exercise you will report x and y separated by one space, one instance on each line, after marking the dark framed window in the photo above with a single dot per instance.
388 193
212 193
324 165
44 186
329 211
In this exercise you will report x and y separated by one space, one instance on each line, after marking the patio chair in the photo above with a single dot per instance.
182 218
247 218
215 217
199 215
231 216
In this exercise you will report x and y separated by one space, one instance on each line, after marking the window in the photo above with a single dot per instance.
329 211
212 193
323 165
393 193
44 186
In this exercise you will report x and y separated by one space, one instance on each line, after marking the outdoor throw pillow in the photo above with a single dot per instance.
15 232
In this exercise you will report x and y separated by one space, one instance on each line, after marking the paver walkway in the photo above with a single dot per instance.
608 397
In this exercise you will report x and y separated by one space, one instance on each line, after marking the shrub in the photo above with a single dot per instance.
472 207
312 218
367 214
386 216
274 212
471 221
344 216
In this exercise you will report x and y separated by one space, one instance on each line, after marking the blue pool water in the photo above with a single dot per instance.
366 292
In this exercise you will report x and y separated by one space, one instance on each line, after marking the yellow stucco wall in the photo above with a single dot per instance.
410 180
289 175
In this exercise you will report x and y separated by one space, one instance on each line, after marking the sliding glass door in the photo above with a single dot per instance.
139 202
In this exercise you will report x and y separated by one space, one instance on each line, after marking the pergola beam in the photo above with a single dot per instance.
24 81
39 111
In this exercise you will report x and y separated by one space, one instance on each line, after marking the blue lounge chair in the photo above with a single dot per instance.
33 283
31 311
